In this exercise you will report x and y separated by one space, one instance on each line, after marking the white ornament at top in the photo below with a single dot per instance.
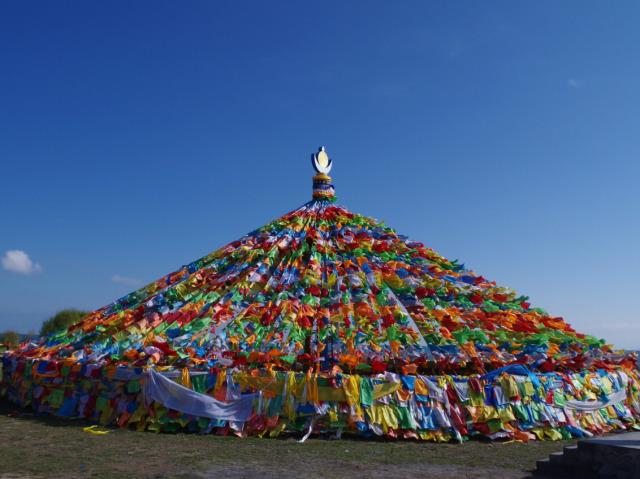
321 161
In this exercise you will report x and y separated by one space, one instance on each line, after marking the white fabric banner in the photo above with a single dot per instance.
175 396
615 398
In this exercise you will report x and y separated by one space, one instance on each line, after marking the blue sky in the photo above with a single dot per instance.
137 136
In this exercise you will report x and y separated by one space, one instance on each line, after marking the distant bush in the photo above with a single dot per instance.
9 339
61 320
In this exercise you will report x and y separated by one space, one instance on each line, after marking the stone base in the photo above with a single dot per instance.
616 456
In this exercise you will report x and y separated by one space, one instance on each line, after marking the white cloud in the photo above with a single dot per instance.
574 83
132 282
18 261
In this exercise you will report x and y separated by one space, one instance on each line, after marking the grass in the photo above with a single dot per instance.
39 447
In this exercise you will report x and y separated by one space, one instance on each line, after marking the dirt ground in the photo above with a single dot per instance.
43 447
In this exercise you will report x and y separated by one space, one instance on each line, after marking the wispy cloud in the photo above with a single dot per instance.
17 261
574 83
127 281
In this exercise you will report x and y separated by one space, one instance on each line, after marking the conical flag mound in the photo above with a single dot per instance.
322 284
328 320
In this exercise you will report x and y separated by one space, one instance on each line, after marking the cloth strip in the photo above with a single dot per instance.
174 396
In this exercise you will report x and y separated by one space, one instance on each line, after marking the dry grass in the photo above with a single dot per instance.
38 447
